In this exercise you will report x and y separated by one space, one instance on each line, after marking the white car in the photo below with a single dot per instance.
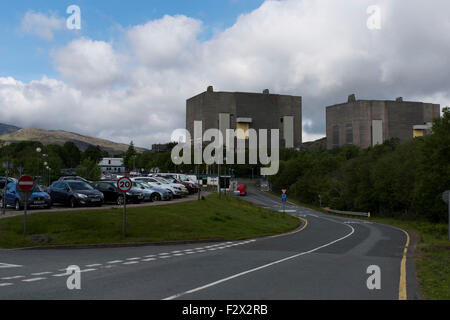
177 186
176 191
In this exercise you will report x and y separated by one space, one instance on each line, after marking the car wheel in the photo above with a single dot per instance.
156 197
72 202
119 200
17 205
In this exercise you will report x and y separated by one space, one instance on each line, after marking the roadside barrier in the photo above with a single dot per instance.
350 213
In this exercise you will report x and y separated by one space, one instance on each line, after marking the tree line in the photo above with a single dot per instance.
391 179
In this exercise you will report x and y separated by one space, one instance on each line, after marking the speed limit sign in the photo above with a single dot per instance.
124 184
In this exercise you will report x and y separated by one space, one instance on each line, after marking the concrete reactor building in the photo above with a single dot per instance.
365 123
242 110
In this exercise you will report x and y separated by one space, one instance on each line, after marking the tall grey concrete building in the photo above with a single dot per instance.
234 110
365 123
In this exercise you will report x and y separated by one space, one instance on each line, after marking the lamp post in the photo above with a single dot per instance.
38 150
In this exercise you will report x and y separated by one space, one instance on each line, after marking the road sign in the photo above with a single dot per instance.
283 197
284 191
25 183
124 184
445 196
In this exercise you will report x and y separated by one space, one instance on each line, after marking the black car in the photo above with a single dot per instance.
75 193
112 193
75 178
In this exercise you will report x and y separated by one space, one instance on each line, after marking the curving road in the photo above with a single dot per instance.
328 259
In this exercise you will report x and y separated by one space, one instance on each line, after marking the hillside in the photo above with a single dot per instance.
6 128
60 137
317 145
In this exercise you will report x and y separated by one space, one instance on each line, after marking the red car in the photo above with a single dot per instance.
242 189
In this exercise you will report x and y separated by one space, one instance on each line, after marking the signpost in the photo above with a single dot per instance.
446 199
6 165
25 185
124 185
284 198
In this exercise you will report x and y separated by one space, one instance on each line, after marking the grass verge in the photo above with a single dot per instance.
212 218
432 256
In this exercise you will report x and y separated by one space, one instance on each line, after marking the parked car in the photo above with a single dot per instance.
3 182
172 178
112 193
241 190
77 178
156 194
38 197
75 193
177 186
152 181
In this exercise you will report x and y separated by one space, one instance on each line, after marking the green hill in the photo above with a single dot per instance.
60 137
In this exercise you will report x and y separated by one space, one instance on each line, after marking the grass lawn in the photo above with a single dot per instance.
432 258
227 218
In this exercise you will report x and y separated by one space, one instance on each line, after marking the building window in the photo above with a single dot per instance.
349 133
244 133
335 136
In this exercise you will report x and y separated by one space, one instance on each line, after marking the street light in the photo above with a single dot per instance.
38 150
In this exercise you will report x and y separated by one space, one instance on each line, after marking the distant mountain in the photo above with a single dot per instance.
60 137
317 145
6 128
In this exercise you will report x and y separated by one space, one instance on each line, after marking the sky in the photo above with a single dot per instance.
127 72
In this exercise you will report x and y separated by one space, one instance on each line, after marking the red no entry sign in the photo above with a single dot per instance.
25 183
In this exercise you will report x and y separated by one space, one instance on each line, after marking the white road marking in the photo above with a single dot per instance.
149 259
131 262
178 251
87 270
149 256
5 284
201 251
163 254
131 259
40 273
93 265
8 265
179 254
190 252
261 267
115 261
13 277
61 274
33 279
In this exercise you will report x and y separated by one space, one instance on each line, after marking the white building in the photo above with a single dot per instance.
112 165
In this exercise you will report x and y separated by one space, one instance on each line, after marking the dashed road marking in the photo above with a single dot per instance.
131 262
8 265
132 259
40 273
93 265
33 279
5 284
149 259
12 278
115 261
88 270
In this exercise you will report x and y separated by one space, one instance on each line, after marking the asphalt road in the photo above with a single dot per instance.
328 259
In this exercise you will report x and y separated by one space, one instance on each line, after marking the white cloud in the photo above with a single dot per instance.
42 25
89 64
321 50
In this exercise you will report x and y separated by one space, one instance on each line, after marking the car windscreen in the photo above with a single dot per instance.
79 185
162 180
37 188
